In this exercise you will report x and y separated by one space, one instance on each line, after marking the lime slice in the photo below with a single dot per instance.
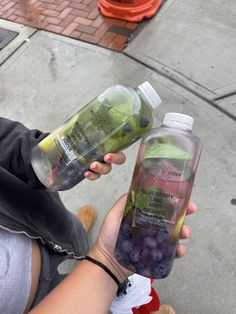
46 144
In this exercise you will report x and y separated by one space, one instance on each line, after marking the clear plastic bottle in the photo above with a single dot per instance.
109 123
158 198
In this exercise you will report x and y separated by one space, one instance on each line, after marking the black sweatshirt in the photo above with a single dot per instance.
25 204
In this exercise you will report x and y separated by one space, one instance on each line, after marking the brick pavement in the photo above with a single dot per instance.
79 19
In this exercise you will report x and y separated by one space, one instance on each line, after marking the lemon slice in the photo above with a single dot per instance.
176 231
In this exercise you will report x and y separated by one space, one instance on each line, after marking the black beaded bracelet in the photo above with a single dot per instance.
107 270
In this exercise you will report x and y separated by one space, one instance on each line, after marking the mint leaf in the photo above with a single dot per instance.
166 150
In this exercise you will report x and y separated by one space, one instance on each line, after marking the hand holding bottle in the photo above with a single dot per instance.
103 249
158 198
97 168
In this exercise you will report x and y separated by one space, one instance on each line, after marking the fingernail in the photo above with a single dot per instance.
109 158
94 167
87 174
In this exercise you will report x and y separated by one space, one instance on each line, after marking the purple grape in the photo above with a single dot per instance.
74 175
163 236
147 252
128 128
156 255
125 261
150 233
169 256
135 256
144 122
140 268
125 228
144 253
159 239
118 255
166 231
150 242
122 237
122 258
160 271
127 246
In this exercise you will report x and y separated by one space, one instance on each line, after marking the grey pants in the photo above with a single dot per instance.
50 277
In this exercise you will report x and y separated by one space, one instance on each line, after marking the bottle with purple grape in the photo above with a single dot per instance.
109 123
158 198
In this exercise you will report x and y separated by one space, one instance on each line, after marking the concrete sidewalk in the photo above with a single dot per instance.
188 53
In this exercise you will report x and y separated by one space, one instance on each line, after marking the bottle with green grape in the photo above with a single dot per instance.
158 198
109 123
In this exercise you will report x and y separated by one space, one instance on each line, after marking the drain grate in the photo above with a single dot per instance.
6 37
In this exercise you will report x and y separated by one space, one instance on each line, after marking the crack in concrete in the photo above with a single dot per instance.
209 101
179 73
227 95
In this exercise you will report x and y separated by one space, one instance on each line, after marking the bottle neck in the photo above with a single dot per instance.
177 126
144 99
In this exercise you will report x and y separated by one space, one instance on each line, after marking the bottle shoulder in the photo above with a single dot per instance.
166 132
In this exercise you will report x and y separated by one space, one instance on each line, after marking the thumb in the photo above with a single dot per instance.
117 210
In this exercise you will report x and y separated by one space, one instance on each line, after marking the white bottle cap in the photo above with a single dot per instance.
183 121
150 94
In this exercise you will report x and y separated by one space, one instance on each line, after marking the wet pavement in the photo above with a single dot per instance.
79 19
192 64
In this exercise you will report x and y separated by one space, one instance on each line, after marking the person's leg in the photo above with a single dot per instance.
165 309
35 273
46 277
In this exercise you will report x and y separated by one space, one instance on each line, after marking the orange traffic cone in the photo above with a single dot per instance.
129 10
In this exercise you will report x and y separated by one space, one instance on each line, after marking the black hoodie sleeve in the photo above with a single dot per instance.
16 143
